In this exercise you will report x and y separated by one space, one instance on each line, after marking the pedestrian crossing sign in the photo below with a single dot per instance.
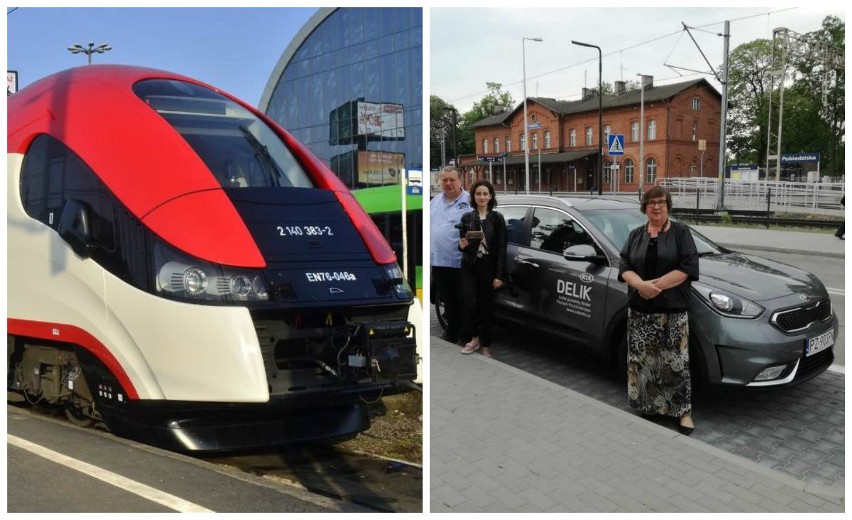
615 144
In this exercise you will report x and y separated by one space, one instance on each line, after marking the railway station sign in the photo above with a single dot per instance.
802 157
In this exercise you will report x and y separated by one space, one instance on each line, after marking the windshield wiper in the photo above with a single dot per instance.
263 155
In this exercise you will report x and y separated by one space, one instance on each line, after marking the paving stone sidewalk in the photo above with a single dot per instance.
503 440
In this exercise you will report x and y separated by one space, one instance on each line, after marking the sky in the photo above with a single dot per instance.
470 47
233 49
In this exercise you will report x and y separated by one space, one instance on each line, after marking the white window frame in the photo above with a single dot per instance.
572 137
547 139
629 168
589 135
652 130
484 145
696 104
496 145
634 131
650 170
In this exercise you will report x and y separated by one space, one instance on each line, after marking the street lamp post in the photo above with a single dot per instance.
100 49
600 112
641 132
526 121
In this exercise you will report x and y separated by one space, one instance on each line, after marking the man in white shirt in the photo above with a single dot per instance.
445 212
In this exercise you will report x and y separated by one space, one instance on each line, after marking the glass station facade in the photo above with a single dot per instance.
350 88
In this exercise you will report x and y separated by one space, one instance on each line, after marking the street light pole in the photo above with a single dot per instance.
100 49
526 121
600 112
641 132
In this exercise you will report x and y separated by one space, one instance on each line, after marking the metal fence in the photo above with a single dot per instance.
817 198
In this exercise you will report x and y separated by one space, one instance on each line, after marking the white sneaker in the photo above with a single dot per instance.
470 348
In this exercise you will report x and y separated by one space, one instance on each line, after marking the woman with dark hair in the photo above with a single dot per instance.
658 263
483 245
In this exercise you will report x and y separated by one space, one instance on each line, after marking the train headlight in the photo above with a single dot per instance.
397 281
194 281
240 286
180 277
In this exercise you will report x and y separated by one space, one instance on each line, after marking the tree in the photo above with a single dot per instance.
443 127
814 101
493 102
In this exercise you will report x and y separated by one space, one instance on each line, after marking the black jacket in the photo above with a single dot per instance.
675 250
494 230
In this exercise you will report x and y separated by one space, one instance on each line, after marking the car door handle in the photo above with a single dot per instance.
527 262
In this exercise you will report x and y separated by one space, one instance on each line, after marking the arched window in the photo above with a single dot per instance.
496 145
651 171
485 146
508 144
629 167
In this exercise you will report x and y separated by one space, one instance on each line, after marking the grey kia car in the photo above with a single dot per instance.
753 322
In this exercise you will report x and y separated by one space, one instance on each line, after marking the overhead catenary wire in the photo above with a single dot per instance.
634 46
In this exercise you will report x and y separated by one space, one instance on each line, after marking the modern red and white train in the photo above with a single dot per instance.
184 271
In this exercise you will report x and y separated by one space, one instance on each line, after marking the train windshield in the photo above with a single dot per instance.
239 149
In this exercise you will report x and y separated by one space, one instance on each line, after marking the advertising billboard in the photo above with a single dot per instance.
362 121
365 168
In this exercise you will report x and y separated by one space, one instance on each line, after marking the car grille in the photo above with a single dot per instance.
797 319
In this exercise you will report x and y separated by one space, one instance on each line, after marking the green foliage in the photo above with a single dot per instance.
814 101
443 124
726 218
485 107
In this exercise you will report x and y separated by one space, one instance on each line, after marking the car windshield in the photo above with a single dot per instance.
617 224
239 149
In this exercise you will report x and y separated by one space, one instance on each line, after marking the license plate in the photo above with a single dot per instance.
819 343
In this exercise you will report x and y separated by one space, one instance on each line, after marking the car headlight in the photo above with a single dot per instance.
726 303
397 281
181 277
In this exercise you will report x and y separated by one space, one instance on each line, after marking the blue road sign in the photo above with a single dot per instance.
615 144
414 190
534 126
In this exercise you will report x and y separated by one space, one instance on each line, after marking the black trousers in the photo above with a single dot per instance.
448 287
478 289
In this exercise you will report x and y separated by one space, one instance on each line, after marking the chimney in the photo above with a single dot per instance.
619 88
647 82
589 93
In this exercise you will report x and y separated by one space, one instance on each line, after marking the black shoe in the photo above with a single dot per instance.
685 430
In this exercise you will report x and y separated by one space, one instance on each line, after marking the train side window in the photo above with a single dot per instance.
52 174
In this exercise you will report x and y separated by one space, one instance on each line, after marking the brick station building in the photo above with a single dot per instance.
677 116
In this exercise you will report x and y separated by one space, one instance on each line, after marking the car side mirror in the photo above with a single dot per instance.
75 226
583 253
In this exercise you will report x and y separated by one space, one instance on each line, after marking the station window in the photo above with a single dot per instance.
588 135
634 131
696 104
652 130
572 137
